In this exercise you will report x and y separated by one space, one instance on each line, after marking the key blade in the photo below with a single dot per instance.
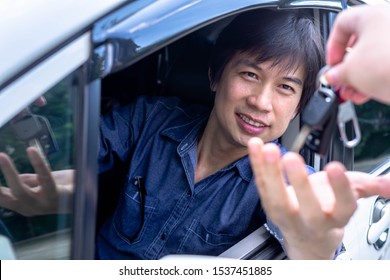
301 139
319 108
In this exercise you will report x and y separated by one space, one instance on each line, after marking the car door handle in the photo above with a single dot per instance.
380 226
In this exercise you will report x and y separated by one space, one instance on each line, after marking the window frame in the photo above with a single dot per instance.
73 57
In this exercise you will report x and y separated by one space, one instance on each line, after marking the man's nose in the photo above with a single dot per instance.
262 100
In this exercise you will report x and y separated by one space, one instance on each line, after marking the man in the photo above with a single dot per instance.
189 188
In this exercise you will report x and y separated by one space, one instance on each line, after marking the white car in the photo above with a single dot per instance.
80 56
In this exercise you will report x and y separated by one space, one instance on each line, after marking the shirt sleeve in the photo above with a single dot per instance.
119 130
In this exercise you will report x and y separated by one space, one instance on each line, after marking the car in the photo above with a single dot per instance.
64 63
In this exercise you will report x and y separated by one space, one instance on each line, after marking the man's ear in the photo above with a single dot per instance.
213 86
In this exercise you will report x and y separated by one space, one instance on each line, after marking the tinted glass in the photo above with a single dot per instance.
46 124
374 148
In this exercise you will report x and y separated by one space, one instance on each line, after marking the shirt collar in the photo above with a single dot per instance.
187 131
187 134
243 165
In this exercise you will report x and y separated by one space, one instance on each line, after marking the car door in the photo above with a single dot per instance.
51 103
45 119
367 234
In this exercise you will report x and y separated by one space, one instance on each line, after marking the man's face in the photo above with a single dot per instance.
256 99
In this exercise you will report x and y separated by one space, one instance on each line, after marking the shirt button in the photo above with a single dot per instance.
162 237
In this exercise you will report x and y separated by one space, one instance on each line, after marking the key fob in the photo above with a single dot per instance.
320 115
321 106
26 127
46 136
319 140
36 127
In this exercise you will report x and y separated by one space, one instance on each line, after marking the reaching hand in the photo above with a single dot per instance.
45 192
312 211
362 73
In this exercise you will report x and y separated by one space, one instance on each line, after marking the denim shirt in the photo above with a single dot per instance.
161 210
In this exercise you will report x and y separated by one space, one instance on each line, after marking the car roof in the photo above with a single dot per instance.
31 29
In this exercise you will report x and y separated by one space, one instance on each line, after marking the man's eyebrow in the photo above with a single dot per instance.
250 63
294 80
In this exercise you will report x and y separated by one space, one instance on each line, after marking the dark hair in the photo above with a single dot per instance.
288 37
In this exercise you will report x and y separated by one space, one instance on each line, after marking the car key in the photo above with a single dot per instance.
35 130
319 118
26 127
345 115
318 139
46 136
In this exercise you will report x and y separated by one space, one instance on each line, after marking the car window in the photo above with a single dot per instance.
46 124
373 149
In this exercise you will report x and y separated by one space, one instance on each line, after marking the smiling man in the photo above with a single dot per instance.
189 186
199 192
251 99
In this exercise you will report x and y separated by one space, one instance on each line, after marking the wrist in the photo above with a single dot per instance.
308 252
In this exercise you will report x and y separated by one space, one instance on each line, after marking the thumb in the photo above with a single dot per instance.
337 75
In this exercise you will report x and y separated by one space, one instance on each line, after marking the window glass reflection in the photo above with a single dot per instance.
46 124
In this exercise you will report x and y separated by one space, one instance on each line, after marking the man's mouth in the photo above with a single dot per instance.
251 121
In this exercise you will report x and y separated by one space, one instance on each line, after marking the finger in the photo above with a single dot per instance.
366 185
7 199
11 176
298 177
345 200
337 43
29 179
42 170
40 101
255 150
338 76
349 93
343 32
273 174
265 161
380 186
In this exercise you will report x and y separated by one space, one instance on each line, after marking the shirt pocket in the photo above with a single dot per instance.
203 241
134 213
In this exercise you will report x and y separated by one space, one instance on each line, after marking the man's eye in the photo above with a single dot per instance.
251 75
287 87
